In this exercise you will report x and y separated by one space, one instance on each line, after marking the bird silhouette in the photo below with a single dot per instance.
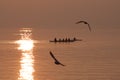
56 61
84 23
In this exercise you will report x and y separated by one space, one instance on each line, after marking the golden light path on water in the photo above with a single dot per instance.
26 45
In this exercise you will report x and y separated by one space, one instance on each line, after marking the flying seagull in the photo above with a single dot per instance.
84 23
56 61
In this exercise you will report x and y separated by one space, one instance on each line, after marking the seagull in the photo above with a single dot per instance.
56 61
84 23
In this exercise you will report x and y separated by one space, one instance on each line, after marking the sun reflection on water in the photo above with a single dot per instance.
26 45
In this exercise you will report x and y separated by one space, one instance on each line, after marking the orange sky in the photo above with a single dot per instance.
61 13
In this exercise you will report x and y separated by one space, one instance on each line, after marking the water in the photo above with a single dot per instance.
95 58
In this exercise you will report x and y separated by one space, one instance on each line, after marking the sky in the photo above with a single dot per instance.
58 13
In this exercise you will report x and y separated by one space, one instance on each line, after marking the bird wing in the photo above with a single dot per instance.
62 64
53 56
84 23
89 27
80 22
55 59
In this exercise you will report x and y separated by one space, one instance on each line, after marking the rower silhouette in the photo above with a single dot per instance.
56 61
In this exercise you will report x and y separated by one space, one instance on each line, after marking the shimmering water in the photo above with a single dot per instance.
97 57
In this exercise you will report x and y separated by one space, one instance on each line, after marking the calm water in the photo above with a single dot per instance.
97 57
